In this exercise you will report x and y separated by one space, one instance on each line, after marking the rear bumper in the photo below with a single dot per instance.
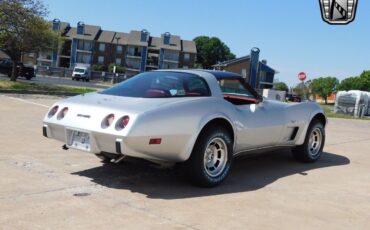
137 146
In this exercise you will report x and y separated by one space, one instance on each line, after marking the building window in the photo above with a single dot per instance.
133 63
118 61
101 47
83 58
134 51
186 57
171 55
84 45
170 65
100 59
119 49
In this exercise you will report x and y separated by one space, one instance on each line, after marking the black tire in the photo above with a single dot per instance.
28 78
308 152
197 170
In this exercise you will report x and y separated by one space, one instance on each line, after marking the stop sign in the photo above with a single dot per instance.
302 76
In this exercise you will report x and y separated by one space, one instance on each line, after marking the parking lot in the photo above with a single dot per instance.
43 186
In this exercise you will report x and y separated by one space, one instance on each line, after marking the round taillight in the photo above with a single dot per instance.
53 111
63 113
107 121
122 123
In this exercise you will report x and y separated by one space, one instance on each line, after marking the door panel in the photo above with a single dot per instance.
260 125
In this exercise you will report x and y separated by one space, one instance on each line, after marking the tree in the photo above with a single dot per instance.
324 87
211 50
23 30
361 82
281 86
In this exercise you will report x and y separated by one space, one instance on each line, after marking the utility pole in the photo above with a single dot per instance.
115 60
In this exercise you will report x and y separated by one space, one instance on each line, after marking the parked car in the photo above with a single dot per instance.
197 118
6 67
293 98
81 73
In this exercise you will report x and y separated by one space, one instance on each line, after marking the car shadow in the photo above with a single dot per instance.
248 174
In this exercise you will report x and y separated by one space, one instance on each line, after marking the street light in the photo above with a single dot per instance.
115 60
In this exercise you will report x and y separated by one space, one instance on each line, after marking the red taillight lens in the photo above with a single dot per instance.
108 120
53 111
63 113
122 123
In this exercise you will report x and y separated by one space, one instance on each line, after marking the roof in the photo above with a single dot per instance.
122 38
64 26
175 42
106 36
155 43
228 62
134 38
90 33
189 47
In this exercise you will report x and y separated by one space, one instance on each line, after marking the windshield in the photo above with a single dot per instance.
234 86
79 70
161 84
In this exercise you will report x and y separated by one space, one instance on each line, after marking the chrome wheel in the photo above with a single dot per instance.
215 157
315 142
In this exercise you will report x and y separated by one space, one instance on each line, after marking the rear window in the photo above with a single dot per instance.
161 84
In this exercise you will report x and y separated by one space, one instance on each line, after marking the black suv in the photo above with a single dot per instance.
6 66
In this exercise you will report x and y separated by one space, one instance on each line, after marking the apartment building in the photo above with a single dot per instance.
137 51
265 76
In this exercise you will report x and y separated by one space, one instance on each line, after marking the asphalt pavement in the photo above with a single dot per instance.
45 187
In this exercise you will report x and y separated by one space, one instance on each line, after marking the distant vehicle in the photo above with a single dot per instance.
202 119
6 67
81 73
293 98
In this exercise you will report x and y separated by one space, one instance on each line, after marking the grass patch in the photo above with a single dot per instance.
329 112
33 87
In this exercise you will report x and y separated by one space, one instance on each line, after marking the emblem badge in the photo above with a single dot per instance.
338 12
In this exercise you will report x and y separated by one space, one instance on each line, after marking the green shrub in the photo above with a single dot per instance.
119 69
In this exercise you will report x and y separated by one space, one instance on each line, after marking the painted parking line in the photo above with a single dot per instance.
26 101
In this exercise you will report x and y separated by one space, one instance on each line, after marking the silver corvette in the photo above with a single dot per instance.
197 118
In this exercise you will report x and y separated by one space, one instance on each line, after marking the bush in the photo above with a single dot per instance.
98 67
119 69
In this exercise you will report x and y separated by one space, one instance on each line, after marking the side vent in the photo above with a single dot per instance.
294 133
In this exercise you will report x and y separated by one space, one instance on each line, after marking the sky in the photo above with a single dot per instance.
290 33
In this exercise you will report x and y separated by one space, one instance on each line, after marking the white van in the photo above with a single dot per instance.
81 73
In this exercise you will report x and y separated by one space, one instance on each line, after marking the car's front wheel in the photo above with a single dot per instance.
311 150
211 158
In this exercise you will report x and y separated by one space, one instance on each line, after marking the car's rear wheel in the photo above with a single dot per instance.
211 158
311 150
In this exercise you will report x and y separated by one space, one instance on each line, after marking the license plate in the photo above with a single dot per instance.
80 140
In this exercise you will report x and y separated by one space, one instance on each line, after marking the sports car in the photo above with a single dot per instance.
200 119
